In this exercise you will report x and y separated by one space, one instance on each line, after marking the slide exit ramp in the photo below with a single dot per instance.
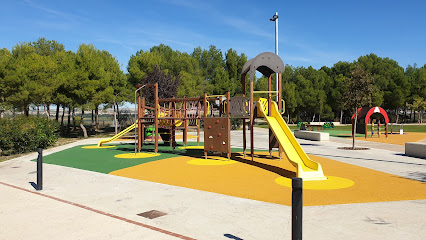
306 168
119 135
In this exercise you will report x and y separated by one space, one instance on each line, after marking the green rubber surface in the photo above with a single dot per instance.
103 160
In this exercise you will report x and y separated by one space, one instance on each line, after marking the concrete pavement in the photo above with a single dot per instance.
79 204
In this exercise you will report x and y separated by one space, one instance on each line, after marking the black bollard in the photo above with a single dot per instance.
40 169
296 208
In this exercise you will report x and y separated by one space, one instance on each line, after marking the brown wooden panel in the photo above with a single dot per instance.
216 134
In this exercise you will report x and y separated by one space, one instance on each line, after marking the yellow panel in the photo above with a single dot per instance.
192 147
120 134
96 147
137 155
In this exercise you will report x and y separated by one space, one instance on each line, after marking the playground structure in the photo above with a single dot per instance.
172 114
367 115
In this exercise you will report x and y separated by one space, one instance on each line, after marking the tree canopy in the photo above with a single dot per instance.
44 73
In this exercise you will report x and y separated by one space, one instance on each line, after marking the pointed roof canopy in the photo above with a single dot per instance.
366 112
266 63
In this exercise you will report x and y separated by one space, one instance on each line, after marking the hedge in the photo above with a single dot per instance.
24 134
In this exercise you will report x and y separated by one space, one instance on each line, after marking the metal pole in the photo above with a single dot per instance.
296 208
40 169
276 50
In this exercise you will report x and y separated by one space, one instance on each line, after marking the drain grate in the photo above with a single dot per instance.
152 214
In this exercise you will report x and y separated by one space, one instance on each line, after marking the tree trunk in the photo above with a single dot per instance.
1 113
97 117
414 119
47 111
397 115
354 130
62 117
115 119
93 118
69 121
27 110
82 124
405 114
38 111
341 116
57 114
73 118
118 117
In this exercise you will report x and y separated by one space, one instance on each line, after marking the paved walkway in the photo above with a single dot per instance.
78 204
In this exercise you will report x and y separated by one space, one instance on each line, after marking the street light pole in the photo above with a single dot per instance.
275 19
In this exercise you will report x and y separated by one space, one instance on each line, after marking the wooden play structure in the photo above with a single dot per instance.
172 114
366 115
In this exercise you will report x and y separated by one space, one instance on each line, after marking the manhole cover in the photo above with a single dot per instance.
152 214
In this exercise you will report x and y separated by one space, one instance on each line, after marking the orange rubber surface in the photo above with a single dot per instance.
395 138
256 180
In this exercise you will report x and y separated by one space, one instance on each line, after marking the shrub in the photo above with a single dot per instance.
236 123
23 134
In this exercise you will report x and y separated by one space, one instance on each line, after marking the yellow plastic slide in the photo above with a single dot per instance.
120 134
306 168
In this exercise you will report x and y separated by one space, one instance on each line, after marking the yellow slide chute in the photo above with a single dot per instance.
162 122
120 134
306 168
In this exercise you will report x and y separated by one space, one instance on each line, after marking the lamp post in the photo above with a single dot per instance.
275 19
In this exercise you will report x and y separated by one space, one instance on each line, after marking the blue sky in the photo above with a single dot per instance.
311 33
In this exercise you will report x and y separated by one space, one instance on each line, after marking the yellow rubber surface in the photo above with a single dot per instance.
192 147
137 155
395 138
211 161
331 183
96 147
256 180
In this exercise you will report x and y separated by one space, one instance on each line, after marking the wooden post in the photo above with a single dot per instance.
205 104
228 97
280 107
251 121
198 121
243 82
280 94
269 112
269 94
173 127
156 116
138 121
228 115
142 129
185 122
386 129
220 107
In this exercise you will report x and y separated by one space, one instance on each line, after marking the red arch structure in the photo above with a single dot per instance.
364 117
